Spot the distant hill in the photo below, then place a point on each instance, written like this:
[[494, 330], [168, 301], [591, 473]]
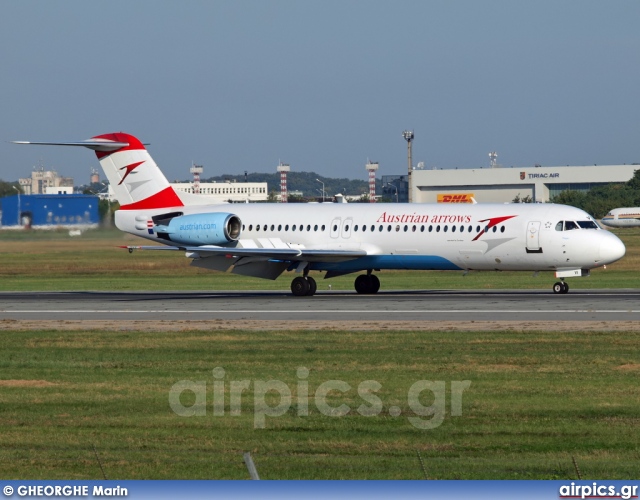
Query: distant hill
[[302, 181]]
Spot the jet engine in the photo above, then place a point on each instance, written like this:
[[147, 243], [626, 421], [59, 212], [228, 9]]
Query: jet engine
[[201, 229]]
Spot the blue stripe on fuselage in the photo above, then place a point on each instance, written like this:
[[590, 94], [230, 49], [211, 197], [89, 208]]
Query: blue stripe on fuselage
[[415, 262]]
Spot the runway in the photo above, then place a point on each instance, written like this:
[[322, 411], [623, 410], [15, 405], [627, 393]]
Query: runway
[[329, 307]]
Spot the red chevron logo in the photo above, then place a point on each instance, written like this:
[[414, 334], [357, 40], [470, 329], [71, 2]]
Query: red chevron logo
[[130, 168], [492, 222]]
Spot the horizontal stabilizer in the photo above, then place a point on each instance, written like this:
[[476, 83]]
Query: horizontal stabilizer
[[95, 144]]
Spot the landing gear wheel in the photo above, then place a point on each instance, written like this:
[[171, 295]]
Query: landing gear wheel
[[375, 283], [560, 287], [361, 284], [300, 287], [313, 286], [367, 283]]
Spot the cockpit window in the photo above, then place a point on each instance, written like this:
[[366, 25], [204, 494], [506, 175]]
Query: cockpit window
[[569, 225], [587, 224]]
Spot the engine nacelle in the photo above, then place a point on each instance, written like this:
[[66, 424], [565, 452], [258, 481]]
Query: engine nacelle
[[202, 229]]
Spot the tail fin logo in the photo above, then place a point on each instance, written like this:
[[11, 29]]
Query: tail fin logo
[[129, 168]]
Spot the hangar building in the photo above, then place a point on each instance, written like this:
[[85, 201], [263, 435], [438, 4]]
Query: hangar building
[[502, 185]]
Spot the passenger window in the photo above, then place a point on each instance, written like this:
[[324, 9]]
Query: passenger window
[[380, 228], [373, 228], [279, 227], [355, 228], [389, 228], [413, 229], [323, 227], [453, 229], [315, 228], [293, 228], [446, 228], [502, 229], [265, 227], [397, 228], [308, 227], [422, 229], [286, 228], [335, 227], [364, 228], [250, 227], [272, 227]]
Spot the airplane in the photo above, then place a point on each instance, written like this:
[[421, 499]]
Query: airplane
[[623, 217], [264, 240]]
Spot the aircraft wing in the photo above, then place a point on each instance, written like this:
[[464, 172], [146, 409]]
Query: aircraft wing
[[283, 254]]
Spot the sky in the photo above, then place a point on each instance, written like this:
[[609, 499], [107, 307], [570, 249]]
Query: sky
[[322, 85]]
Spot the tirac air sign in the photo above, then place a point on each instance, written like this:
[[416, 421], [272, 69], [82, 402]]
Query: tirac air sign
[[552, 175]]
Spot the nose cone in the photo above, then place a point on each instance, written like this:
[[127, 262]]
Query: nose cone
[[611, 248]]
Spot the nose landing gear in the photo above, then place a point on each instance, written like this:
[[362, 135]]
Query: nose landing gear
[[561, 287]]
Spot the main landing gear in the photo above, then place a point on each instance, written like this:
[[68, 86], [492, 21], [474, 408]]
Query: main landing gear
[[303, 286], [367, 283], [560, 287]]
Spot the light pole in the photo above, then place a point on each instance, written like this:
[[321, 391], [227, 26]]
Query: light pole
[[322, 189], [108, 221], [408, 136], [19, 206]]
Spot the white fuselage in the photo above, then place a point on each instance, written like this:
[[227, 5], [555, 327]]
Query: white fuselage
[[416, 236], [623, 217]]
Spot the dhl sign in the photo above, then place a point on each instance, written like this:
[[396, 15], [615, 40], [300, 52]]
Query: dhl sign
[[455, 198]]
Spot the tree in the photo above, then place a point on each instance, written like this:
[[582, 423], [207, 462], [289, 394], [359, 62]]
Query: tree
[[106, 211], [9, 188], [634, 182], [526, 199]]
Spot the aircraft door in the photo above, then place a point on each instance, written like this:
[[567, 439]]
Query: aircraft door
[[346, 227], [335, 227], [533, 237]]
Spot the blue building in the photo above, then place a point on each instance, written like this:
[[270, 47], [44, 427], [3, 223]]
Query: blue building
[[50, 210]]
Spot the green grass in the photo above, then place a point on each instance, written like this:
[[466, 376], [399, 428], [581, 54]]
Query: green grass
[[52, 260], [535, 401]]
